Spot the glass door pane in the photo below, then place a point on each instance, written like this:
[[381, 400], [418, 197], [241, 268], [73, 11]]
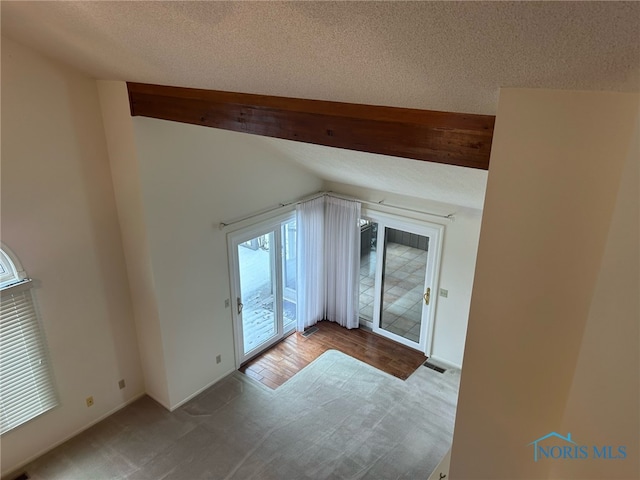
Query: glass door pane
[[256, 303], [289, 277], [403, 282], [368, 248]]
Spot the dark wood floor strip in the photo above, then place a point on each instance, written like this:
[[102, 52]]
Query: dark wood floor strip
[[285, 359]]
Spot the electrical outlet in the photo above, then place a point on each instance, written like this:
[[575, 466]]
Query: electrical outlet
[[226, 303], [121, 384], [444, 293], [218, 358], [89, 401]]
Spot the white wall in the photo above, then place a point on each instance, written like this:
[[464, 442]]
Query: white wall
[[456, 271], [605, 394], [556, 165], [118, 126], [456, 276], [192, 178], [59, 217]]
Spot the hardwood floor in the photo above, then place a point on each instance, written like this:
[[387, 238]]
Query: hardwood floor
[[285, 359]]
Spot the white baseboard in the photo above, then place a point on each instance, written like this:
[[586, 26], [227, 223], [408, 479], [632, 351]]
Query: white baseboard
[[442, 470], [444, 362], [158, 401], [198, 392], [14, 470]]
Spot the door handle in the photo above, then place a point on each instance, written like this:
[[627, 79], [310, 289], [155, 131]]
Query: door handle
[[240, 306], [427, 296]]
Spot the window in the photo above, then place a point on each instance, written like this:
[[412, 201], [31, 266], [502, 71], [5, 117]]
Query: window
[[26, 386]]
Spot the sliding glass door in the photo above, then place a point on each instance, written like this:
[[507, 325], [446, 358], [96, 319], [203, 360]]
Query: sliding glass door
[[398, 271], [289, 275], [368, 261], [263, 268], [256, 298], [403, 289]]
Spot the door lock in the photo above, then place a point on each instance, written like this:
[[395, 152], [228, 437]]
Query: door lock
[[427, 296]]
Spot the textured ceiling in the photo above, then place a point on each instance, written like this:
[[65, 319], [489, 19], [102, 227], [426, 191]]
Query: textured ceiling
[[451, 56]]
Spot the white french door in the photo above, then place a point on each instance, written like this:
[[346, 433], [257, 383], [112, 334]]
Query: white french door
[[398, 278], [262, 262]]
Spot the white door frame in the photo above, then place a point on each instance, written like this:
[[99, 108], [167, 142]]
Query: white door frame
[[234, 239], [435, 232]]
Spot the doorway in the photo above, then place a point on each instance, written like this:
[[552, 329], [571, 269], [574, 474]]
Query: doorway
[[398, 275], [262, 261]]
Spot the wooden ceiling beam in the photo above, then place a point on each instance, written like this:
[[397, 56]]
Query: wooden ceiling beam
[[451, 138]]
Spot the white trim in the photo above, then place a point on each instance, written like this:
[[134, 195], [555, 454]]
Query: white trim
[[71, 435], [25, 284], [235, 238], [435, 232], [30, 379], [442, 470], [158, 401], [15, 273], [198, 392], [249, 227], [14, 259], [444, 362]]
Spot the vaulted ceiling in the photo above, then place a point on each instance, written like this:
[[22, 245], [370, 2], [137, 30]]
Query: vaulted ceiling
[[451, 56]]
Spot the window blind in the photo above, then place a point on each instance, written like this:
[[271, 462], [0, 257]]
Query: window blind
[[25, 375]]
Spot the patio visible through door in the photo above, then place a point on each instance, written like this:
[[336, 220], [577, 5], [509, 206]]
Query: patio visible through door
[[263, 264]]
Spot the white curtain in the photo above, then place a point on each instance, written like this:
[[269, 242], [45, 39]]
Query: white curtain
[[328, 244], [310, 266], [342, 261]]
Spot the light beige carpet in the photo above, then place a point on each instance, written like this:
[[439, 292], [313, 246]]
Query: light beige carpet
[[338, 418]]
